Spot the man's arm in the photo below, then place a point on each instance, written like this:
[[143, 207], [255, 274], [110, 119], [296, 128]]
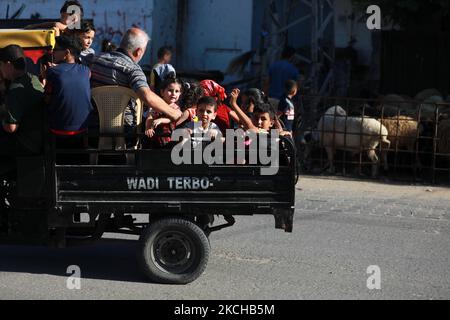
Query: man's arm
[[44, 25], [12, 111], [58, 27], [183, 118], [156, 103]]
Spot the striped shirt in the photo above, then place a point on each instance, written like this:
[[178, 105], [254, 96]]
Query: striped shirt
[[118, 69]]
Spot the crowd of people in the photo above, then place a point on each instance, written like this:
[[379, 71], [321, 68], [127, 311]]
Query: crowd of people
[[63, 89]]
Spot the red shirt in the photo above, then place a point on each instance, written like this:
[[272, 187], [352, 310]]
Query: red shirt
[[223, 118]]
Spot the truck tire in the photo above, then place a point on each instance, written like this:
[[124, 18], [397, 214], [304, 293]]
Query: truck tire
[[173, 251]]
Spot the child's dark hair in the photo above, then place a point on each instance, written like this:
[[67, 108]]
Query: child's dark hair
[[265, 108], [255, 96], [67, 4], [163, 51], [290, 86], [71, 43], [209, 101], [108, 46], [15, 55], [87, 26], [192, 92], [170, 80]]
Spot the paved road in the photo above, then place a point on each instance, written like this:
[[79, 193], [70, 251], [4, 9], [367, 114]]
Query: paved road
[[341, 228]]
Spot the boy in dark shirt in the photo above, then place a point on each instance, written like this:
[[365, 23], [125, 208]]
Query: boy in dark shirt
[[22, 117], [68, 91], [286, 108]]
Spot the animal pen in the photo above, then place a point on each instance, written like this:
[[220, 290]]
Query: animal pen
[[352, 137]]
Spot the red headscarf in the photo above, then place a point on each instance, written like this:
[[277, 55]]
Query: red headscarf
[[214, 90]]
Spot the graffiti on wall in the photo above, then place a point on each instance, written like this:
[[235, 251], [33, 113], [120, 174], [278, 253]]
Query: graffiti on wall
[[111, 17]]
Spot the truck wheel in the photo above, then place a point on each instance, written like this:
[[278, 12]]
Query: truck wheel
[[173, 251]]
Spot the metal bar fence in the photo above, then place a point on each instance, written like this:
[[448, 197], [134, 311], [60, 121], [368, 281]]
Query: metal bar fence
[[418, 132]]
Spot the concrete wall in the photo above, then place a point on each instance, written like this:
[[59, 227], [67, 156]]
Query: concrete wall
[[164, 26], [215, 32], [345, 29], [111, 17]]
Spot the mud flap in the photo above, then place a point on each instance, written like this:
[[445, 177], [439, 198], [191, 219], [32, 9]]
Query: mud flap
[[284, 220]]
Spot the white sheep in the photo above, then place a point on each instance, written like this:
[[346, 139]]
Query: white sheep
[[353, 134]]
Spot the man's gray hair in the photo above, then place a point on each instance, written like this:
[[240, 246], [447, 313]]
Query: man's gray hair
[[133, 40]]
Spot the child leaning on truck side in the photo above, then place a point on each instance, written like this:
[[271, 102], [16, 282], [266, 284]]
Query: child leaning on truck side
[[171, 90], [192, 93], [263, 119], [205, 130]]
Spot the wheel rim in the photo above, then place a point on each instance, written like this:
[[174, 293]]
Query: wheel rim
[[173, 252]]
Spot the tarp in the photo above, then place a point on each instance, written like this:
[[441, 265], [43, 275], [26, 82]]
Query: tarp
[[34, 42], [27, 38]]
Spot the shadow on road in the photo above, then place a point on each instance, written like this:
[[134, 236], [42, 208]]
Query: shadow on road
[[108, 260]]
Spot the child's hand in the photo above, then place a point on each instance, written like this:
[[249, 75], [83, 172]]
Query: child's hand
[[234, 96], [150, 133], [213, 133], [285, 134], [62, 26], [157, 123]]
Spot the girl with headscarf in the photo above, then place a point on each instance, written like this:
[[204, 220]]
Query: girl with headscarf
[[224, 113]]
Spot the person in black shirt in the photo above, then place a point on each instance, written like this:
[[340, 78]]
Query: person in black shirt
[[21, 123]]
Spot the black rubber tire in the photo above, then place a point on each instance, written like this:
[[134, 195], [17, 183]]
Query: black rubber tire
[[182, 238]]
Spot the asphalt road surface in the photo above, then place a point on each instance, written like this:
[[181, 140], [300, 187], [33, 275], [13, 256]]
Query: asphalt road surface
[[341, 229]]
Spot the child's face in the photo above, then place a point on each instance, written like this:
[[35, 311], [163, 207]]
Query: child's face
[[206, 113], [263, 121], [87, 39], [294, 91], [167, 58], [172, 93]]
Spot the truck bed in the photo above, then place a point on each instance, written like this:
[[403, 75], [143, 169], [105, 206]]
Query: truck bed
[[155, 183]]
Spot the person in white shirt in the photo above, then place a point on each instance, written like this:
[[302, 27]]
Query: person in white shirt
[[204, 130]]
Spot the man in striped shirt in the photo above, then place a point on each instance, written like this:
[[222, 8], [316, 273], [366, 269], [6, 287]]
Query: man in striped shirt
[[121, 68]]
